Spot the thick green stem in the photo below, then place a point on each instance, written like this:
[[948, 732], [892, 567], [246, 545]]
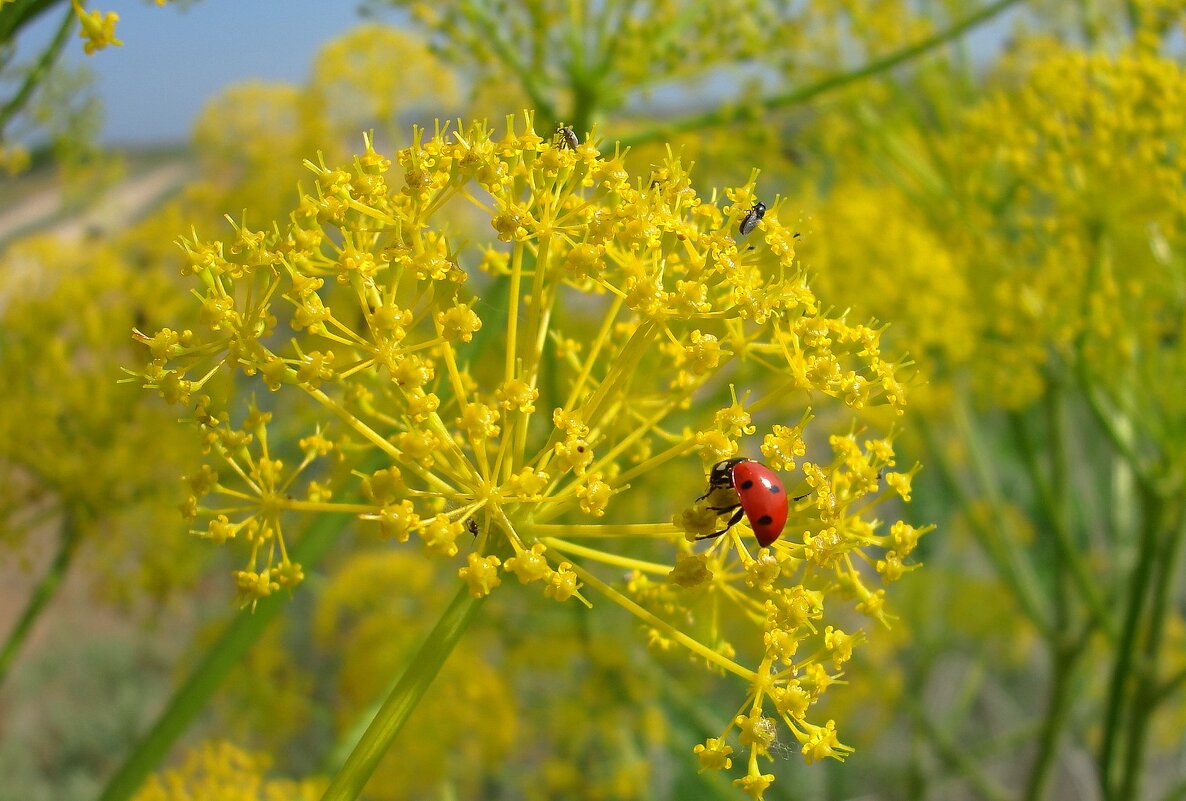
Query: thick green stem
[[1063, 664], [223, 655], [1120, 693], [349, 782], [42, 594], [1053, 507], [1140, 716], [731, 114]]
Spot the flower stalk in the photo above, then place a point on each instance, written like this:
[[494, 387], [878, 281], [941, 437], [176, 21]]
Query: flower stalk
[[348, 783]]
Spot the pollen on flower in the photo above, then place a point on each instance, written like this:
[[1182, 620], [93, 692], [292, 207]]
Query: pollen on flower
[[396, 521], [900, 482], [695, 521], [714, 754], [781, 645], [905, 536], [755, 784], [690, 571], [481, 574], [594, 495], [562, 583], [440, 535], [756, 731], [253, 586], [763, 570], [518, 395], [820, 742], [573, 454], [783, 445], [792, 700], [528, 483], [529, 565], [839, 644]]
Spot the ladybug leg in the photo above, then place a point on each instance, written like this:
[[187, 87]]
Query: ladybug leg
[[711, 489], [734, 520]]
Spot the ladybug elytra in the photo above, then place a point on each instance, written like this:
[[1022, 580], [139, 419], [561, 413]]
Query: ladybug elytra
[[761, 497]]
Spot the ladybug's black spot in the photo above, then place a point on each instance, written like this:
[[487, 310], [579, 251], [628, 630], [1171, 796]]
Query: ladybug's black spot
[[747, 485], [773, 490], [765, 520]]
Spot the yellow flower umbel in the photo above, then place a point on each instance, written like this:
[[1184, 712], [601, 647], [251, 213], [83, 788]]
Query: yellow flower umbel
[[580, 387], [219, 771]]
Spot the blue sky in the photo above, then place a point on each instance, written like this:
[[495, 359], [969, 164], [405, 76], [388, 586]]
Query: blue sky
[[174, 59]]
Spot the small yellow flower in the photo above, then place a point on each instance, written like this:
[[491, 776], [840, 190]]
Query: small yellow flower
[[713, 754], [98, 29], [481, 574], [529, 565]]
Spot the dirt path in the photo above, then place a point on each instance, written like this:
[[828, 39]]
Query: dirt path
[[114, 209]]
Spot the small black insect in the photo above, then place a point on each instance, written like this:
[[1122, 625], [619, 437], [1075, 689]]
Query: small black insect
[[565, 137], [471, 526], [750, 221]]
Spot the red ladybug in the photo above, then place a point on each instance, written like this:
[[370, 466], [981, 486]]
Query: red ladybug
[[761, 497]]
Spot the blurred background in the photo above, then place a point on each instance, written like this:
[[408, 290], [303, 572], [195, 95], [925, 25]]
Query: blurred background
[[999, 182]]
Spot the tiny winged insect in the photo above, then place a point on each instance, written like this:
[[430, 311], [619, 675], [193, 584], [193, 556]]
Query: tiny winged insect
[[565, 137], [750, 221], [760, 497]]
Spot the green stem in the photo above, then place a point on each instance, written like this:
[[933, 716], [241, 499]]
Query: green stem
[[221, 657], [1119, 692], [1003, 558], [18, 14], [727, 115], [1145, 692], [1058, 519], [1059, 510], [954, 756], [42, 594], [1063, 663], [37, 74], [349, 782], [477, 15], [1120, 436]]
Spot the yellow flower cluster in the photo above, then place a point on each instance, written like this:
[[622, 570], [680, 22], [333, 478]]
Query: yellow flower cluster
[[220, 771], [1001, 249], [871, 251], [1077, 264], [73, 441], [488, 403]]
